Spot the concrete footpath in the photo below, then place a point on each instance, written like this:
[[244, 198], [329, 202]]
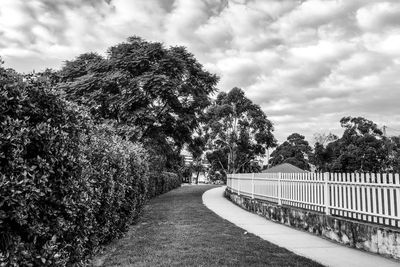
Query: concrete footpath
[[302, 243]]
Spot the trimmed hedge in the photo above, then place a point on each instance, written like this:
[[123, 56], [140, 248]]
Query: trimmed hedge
[[161, 182], [40, 185], [66, 185], [117, 171]]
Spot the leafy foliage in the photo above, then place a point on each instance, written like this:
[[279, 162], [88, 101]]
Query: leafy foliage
[[161, 182], [196, 148], [219, 163], [324, 139], [237, 131], [67, 184], [295, 151], [71, 176], [186, 173], [362, 148], [40, 186], [158, 92], [117, 173], [393, 146]]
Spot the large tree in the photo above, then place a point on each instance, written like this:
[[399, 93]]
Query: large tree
[[151, 93], [295, 150], [237, 132]]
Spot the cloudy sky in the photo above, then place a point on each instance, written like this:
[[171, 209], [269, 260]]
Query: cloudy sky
[[306, 63]]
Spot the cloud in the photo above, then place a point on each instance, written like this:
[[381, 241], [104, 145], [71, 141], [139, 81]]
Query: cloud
[[379, 16], [306, 63]]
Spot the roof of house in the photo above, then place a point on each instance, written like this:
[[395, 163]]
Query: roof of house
[[285, 168]]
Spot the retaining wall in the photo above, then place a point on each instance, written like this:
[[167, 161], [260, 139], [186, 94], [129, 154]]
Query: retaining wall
[[369, 237]]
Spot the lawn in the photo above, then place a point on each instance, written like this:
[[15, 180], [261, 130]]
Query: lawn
[[176, 229]]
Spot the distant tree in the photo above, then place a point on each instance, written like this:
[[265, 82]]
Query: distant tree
[[295, 151], [196, 148], [394, 154], [321, 156], [362, 148], [151, 93], [237, 131], [219, 163], [324, 139], [186, 173]]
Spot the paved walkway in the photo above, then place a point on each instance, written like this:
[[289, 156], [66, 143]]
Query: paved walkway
[[301, 243]]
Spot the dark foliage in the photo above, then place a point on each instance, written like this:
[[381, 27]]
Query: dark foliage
[[362, 148], [66, 185], [237, 131], [153, 94], [161, 182], [295, 151], [73, 175]]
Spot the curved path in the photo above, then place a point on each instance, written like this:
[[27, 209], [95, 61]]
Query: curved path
[[299, 242]]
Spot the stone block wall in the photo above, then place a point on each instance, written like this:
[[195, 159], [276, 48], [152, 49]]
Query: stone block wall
[[369, 237]]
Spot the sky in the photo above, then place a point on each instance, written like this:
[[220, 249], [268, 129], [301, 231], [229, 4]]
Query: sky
[[306, 63]]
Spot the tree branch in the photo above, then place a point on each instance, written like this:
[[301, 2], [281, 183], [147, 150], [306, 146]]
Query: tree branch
[[222, 166], [148, 126]]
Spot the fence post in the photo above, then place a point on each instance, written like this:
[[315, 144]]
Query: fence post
[[279, 189], [252, 185], [238, 183], [326, 193]]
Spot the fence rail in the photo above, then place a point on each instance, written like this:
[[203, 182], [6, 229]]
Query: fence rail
[[366, 197]]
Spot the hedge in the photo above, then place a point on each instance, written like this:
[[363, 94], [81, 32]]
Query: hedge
[[161, 182], [39, 192], [117, 171], [66, 185]]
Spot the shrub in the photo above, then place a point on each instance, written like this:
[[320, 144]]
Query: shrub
[[171, 181], [66, 185], [161, 182], [40, 185], [118, 172]]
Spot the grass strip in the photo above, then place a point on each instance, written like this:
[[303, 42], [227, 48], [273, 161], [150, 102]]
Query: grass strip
[[176, 229]]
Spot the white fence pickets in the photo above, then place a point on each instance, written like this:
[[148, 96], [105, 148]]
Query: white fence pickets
[[367, 197]]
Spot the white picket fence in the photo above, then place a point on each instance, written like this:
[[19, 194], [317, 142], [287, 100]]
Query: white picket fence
[[373, 198]]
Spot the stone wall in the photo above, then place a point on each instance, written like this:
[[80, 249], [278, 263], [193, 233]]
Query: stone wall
[[373, 238]]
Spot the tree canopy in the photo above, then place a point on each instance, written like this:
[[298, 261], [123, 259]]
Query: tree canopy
[[237, 132], [362, 148], [151, 93], [295, 151]]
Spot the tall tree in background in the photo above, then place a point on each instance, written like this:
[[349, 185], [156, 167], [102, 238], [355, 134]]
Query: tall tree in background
[[322, 156], [362, 148], [150, 93], [324, 139], [237, 132], [196, 148], [295, 151], [394, 154]]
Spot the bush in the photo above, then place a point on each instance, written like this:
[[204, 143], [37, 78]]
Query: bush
[[40, 185], [118, 172], [161, 182], [66, 185]]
